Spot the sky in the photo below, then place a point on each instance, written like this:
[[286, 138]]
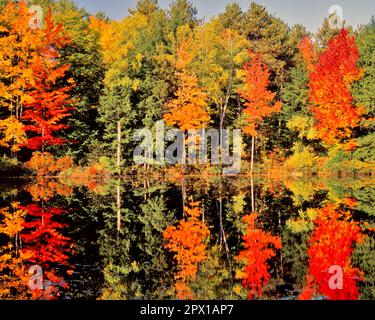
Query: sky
[[310, 13]]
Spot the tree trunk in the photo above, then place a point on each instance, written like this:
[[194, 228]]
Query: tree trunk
[[184, 194], [118, 198], [252, 195], [119, 145], [252, 154], [223, 113], [222, 236]]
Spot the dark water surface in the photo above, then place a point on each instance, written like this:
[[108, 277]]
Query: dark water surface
[[238, 239]]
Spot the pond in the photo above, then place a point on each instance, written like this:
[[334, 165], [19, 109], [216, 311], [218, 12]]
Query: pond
[[184, 238]]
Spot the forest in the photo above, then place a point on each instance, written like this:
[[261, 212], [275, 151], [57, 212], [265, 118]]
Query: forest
[[76, 87], [80, 86]]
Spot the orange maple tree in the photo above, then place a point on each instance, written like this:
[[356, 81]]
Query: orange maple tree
[[187, 241], [13, 133], [331, 75], [259, 247], [332, 244], [188, 109], [45, 164], [258, 99]]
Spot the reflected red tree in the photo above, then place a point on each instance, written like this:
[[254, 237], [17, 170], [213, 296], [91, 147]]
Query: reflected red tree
[[46, 247], [259, 247], [331, 245]]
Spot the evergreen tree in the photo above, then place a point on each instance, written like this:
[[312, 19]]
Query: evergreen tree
[[364, 92], [182, 12]]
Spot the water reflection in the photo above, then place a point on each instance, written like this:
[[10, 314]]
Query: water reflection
[[180, 238]]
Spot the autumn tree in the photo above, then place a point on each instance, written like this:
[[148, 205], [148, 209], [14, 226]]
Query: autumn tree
[[18, 47], [187, 242], [51, 104], [259, 247], [46, 247], [14, 134], [120, 48], [258, 98], [188, 110], [218, 59], [332, 74], [331, 244]]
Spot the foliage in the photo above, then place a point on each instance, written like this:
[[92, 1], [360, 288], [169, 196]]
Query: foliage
[[259, 247], [45, 164], [302, 160], [187, 110], [187, 242], [330, 80], [257, 97], [43, 115], [331, 244]]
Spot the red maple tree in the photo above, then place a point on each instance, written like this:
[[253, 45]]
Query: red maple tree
[[332, 73], [51, 102]]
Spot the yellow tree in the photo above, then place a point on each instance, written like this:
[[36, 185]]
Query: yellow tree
[[219, 57], [119, 43], [13, 282], [13, 134], [18, 47]]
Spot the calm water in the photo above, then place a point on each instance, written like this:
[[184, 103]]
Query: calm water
[[131, 239]]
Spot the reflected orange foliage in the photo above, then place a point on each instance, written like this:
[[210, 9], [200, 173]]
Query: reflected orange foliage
[[45, 189], [13, 272], [93, 177], [187, 241]]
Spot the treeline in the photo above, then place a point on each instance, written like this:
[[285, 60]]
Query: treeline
[[80, 85]]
